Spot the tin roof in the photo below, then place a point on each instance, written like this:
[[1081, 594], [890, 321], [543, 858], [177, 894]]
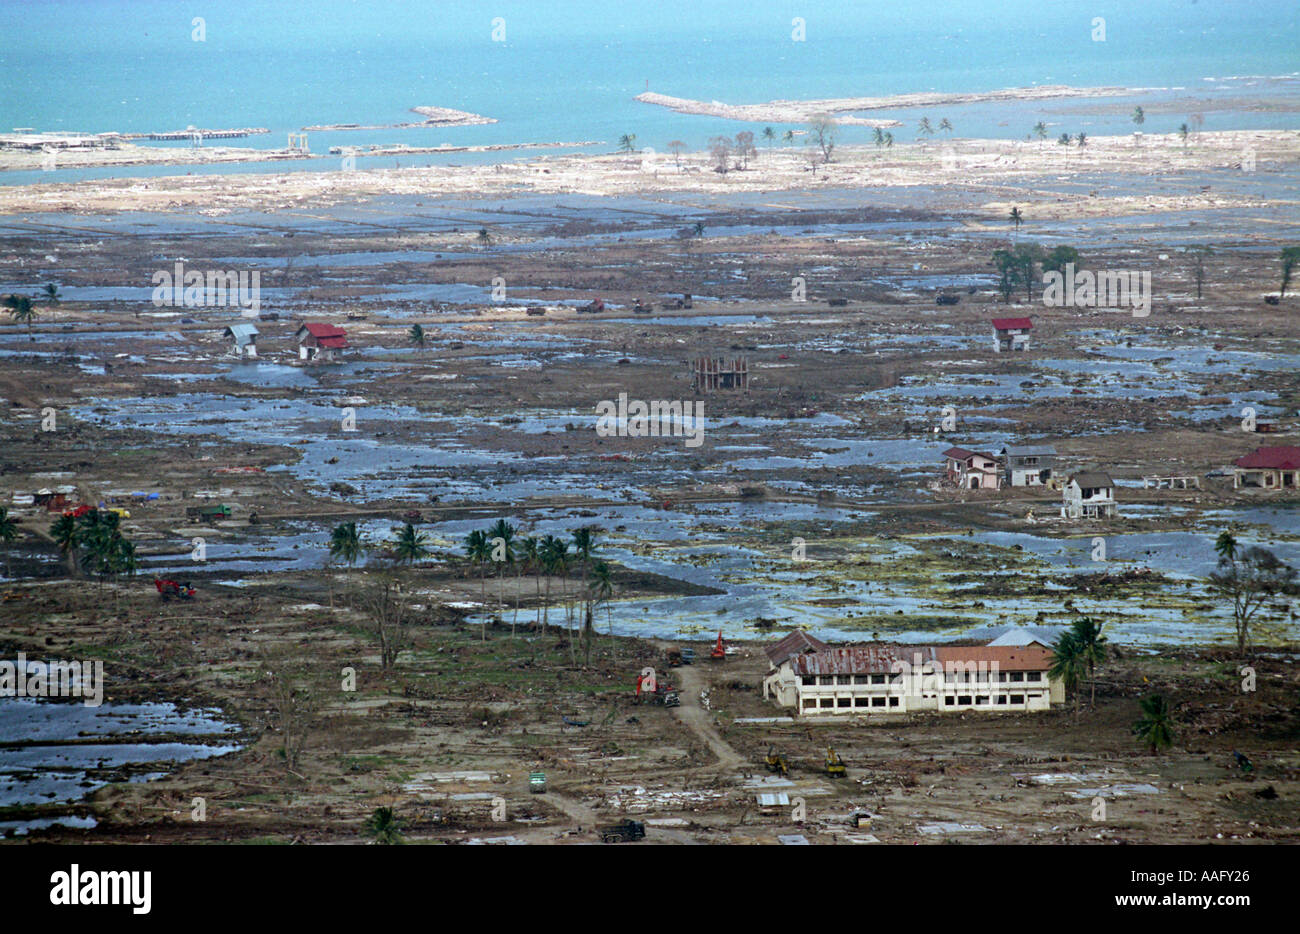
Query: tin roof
[[242, 333], [1029, 450], [796, 643], [1008, 324], [887, 659], [1272, 458]]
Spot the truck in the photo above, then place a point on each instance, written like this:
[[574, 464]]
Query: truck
[[537, 783], [207, 513], [625, 831]]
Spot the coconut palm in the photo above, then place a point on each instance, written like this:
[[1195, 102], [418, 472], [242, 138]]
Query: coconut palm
[[502, 538], [484, 237], [64, 532], [924, 129], [584, 545], [1068, 664], [345, 545], [878, 137], [889, 140], [1040, 130], [1016, 219], [51, 293], [8, 534], [1156, 728], [1092, 647], [1290, 257], [627, 142], [1183, 131], [411, 545], [551, 553], [478, 549], [788, 138], [602, 588], [1081, 140], [945, 126], [530, 554], [21, 310], [1139, 116], [384, 827], [417, 336], [698, 229], [769, 134], [1063, 139]]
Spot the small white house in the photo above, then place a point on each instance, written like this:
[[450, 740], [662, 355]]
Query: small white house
[[972, 470], [243, 339], [1011, 333], [1089, 495]]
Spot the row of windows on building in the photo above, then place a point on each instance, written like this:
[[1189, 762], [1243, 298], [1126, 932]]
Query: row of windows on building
[[951, 677], [951, 700]]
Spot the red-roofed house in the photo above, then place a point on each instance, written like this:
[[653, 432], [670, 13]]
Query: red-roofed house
[[1272, 468], [972, 470], [892, 679], [320, 341], [1011, 333]]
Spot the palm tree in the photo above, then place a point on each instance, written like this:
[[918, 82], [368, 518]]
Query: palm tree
[[479, 550], [1156, 728], [788, 137], [627, 142], [602, 588], [1082, 140], [1139, 116], [384, 827], [51, 293], [924, 129], [889, 140], [417, 336], [551, 553], [64, 532], [345, 545], [1068, 664], [529, 555], [878, 137], [769, 134], [502, 536], [411, 545], [584, 545], [1290, 256], [945, 127], [1183, 132], [1092, 648], [21, 310], [1040, 130], [1017, 219], [1063, 139], [8, 534], [484, 238]]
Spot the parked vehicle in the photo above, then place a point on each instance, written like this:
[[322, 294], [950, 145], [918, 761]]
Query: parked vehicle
[[624, 831]]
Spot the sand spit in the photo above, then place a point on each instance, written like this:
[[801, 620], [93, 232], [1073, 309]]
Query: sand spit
[[434, 117], [804, 111], [967, 163]]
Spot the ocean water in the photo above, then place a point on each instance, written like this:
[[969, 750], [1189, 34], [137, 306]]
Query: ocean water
[[567, 70]]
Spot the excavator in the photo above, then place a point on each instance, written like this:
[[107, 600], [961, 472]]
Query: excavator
[[777, 762], [719, 651], [834, 764]]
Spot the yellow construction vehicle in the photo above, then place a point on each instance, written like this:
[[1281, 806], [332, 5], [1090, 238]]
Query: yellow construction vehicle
[[776, 762], [834, 764]]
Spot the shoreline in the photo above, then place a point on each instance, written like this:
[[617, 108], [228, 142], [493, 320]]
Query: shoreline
[[992, 163]]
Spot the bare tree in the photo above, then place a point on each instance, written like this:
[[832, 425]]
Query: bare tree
[[720, 153], [1197, 254], [745, 148], [677, 147], [295, 698], [821, 133], [1250, 577], [386, 619]]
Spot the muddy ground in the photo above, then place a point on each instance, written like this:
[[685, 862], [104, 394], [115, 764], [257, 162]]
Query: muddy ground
[[835, 442]]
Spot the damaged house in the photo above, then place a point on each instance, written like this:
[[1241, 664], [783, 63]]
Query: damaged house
[[893, 679], [1011, 333], [1028, 464], [972, 470], [1268, 468], [322, 342], [1089, 494], [243, 338]]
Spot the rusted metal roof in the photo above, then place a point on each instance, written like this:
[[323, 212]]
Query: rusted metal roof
[[887, 659], [1272, 458], [796, 643], [1011, 324]]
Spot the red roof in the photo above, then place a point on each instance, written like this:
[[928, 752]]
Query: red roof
[[961, 454], [1278, 458], [1009, 324], [881, 659], [327, 335], [794, 644]]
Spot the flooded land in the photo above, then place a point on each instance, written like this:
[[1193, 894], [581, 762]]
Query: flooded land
[[302, 687]]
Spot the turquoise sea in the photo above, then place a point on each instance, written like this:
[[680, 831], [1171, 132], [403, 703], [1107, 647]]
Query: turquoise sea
[[567, 70]]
